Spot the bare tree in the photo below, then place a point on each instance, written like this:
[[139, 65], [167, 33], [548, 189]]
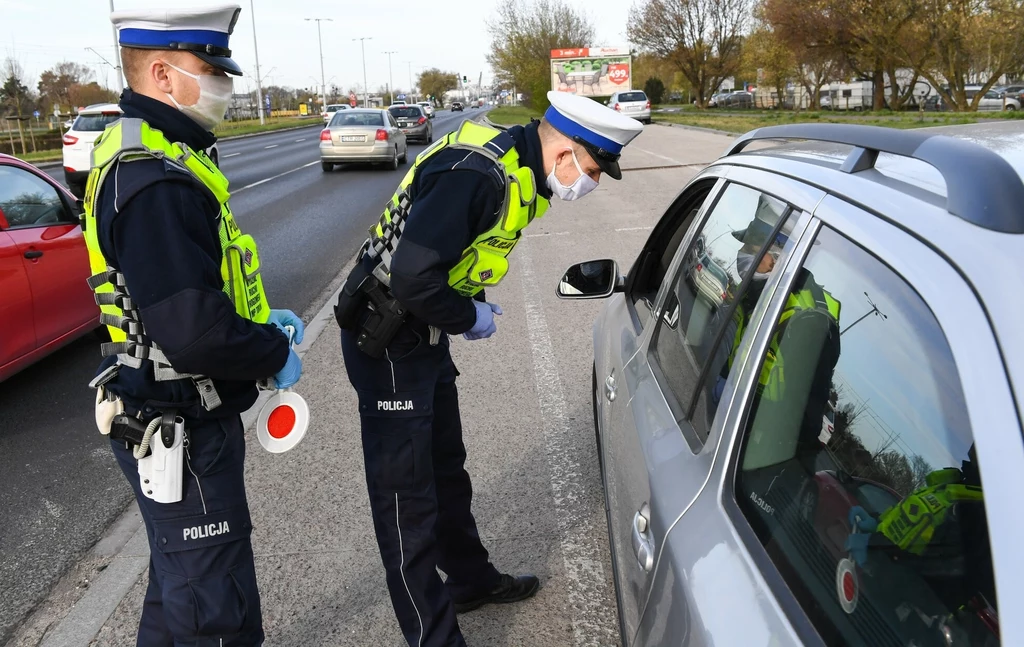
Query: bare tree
[[701, 38], [522, 37]]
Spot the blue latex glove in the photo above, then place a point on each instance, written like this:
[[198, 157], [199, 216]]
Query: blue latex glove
[[291, 372], [862, 526], [484, 326], [282, 318]]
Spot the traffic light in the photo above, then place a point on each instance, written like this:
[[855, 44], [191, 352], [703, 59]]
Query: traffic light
[[464, 79]]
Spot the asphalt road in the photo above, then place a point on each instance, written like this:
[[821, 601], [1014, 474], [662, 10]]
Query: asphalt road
[[61, 488]]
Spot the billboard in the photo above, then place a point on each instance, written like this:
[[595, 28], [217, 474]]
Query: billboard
[[592, 71]]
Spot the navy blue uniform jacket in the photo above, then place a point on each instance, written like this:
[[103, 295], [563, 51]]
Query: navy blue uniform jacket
[[159, 226], [455, 199]]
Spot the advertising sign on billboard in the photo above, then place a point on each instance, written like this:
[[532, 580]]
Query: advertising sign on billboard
[[594, 71]]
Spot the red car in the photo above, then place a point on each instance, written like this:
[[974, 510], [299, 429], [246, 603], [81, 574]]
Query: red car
[[45, 301]]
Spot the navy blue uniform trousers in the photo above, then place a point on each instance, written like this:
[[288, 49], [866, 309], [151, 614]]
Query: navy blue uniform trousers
[[420, 492], [202, 580]]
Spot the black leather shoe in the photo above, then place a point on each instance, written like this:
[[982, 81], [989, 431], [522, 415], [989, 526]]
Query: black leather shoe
[[509, 589]]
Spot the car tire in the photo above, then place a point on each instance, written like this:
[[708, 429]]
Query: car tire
[[393, 166], [405, 156], [1009, 108], [430, 138], [327, 167]]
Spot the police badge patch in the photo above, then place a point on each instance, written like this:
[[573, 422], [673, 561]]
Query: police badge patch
[[486, 274]]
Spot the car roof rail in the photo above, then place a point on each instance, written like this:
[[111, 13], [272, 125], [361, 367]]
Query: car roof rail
[[981, 186]]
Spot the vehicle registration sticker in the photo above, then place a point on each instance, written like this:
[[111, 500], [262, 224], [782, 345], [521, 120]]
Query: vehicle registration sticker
[[353, 138]]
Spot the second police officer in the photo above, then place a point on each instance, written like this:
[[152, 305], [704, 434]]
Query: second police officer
[[444, 238], [180, 291]]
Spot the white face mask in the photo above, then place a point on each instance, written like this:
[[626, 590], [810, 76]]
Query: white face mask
[[214, 97], [583, 185]]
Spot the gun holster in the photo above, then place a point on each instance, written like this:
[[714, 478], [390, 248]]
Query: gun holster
[[385, 318], [352, 299]]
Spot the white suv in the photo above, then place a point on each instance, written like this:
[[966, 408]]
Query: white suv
[[78, 141], [632, 104], [83, 133]]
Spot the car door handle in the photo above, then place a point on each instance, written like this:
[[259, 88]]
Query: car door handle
[[609, 388], [33, 254], [643, 544]]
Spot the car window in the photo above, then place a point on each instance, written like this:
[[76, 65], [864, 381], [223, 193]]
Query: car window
[[28, 200], [94, 123], [351, 118], [880, 533], [632, 96], [651, 267], [406, 111], [731, 244]]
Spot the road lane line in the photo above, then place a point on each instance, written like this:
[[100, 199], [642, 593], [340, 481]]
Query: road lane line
[[633, 228], [271, 146], [300, 140], [581, 554], [229, 155], [274, 177], [667, 159]]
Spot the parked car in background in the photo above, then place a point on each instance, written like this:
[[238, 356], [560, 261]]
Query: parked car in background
[[730, 521], [992, 100], [43, 268], [362, 135], [329, 111], [399, 102], [633, 104], [427, 108], [457, 106], [414, 122], [740, 99], [80, 138]]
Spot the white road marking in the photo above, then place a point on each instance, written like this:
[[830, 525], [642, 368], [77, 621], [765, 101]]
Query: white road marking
[[580, 552], [229, 155], [633, 228], [667, 159], [274, 177], [554, 233], [300, 140], [271, 146]]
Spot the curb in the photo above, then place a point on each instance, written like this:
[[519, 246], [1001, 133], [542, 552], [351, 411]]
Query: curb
[[697, 128], [56, 164]]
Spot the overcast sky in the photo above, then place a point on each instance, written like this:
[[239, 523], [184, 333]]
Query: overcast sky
[[450, 34]]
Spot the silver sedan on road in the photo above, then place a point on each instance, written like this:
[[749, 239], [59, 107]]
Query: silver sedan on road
[[362, 135]]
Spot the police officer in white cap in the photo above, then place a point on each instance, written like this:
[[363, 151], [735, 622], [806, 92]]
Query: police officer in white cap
[[180, 290], [444, 238]]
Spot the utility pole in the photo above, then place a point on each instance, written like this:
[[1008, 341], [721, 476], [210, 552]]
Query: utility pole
[[323, 82], [366, 88], [410, 75], [117, 52], [873, 311], [259, 81], [391, 79]]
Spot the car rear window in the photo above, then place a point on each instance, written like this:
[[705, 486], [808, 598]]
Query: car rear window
[[632, 96], [406, 111], [94, 123], [351, 118]]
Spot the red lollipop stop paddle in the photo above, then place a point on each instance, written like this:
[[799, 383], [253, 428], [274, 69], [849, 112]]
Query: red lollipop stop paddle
[[283, 419]]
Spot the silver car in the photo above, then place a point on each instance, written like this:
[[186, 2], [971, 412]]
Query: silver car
[[871, 270], [362, 135], [633, 104]]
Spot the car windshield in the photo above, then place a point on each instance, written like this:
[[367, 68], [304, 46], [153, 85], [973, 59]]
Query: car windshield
[[95, 122], [632, 96], [352, 118], [405, 111], [872, 498]]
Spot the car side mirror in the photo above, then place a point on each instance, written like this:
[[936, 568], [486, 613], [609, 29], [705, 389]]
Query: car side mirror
[[590, 280]]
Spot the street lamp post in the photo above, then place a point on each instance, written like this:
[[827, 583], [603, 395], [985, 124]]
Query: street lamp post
[[366, 88], [117, 52], [323, 83], [259, 81], [391, 79]]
